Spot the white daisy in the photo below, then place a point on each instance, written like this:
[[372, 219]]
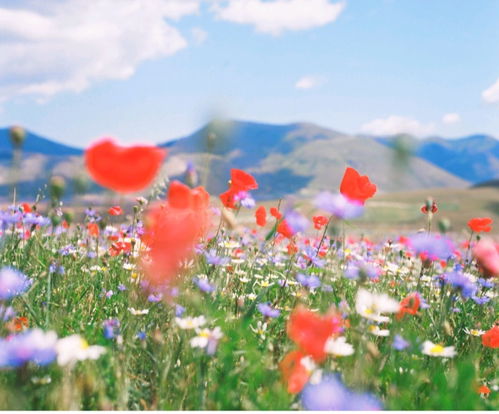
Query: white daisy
[[372, 305], [74, 348], [190, 322], [429, 348], [338, 347]]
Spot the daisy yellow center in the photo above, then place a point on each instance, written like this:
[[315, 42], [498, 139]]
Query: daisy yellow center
[[204, 334], [474, 332], [369, 311], [84, 344], [437, 349]]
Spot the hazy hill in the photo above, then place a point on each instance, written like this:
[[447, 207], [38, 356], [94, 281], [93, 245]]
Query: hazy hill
[[298, 158], [474, 158]]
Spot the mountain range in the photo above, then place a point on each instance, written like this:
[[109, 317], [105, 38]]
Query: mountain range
[[294, 159]]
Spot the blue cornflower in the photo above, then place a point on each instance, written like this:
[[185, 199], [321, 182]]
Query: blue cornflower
[[461, 283], [213, 259], [330, 394], [33, 345], [12, 283], [435, 247], [204, 285], [111, 328], [339, 206], [399, 343], [310, 282], [296, 221], [266, 310], [179, 310]]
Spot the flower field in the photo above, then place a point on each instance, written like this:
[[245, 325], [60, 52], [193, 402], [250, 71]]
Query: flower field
[[171, 304]]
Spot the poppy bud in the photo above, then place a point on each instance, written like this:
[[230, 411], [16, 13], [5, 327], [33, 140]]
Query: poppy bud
[[81, 184], [57, 186], [17, 136], [444, 225], [56, 220]]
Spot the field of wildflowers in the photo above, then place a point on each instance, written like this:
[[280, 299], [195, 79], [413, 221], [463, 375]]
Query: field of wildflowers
[[171, 304]]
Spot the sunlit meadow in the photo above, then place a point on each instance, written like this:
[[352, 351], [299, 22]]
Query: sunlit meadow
[[172, 304]]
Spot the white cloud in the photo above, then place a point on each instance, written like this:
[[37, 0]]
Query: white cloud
[[199, 35], [277, 16], [54, 46], [491, 94], [308, 82], [394, 124], [451, 118]]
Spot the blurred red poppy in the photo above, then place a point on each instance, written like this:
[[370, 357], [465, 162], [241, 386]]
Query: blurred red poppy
[[490, 339], [275, 213], [115, 211], [284, 229], [172, 229], [319, 221], [120, 247], [93, 229], [26, 207], [486, 253], [261, 216], [123, 169], [310, 331], [294, 373], [356, 187], [479, 225], [410, 304]]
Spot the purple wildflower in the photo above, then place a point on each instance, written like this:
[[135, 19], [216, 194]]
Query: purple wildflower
[[339, 206], [12, 283], [399, 343], [6, 313], [331, 394], [179, 310], [266, 310], [310, 282], [30, 346], [461, 283], [213, 259], [296, 221], [111, 328], [204, 285], [435, 247]]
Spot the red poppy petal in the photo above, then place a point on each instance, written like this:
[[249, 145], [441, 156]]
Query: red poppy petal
[[123, 169]]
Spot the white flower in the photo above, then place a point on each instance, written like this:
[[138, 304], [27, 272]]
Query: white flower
[[429, 348], [190, 322], [261, 328], [372, 305], [136, 312], [207, 339], [74, 348], [375, 330], [338, 347], [251, 296], [474, 332]]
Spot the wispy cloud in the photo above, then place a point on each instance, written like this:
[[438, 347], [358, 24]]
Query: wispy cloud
[[395, 124], [54, 46], [199, 35], [451, 118], [309, 82], [278, 16], [491, 94]]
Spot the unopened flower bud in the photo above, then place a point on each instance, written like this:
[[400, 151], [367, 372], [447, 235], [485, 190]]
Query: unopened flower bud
[[17, 136]]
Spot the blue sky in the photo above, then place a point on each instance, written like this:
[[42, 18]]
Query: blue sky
[[153, 70]]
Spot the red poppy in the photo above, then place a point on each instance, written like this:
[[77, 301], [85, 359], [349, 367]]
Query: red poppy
[[294, 372], [115, 211], [120, 247], [409, 304], [240, 181], [292, 249], [172, 230], [486, 253], [26, 207], [479, 225], [356, 187], [310, 331], [93, 229], [319, 221], [433, 208], [274, 212], [483, 389], [284, 229], [123, 169], [261, 216], [490, 339], [18, 324]]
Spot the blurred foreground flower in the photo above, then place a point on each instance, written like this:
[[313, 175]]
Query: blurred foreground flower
[[479, 225], [356, 187], [486, 253], [431, 349], [123, 169], [33, 345], [330, 394], [373, 305], [172, 230], [12, 283], [339, 205], [74, 348]]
